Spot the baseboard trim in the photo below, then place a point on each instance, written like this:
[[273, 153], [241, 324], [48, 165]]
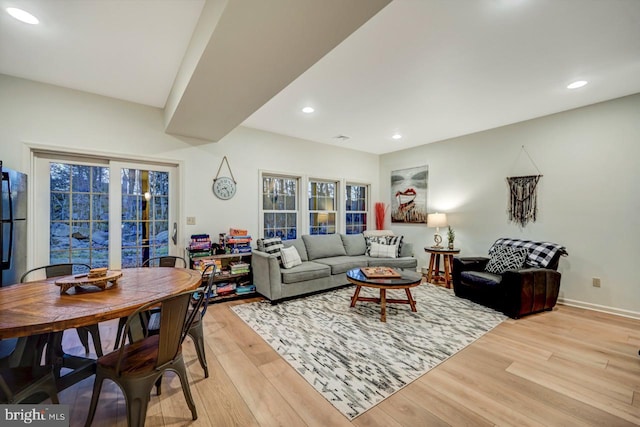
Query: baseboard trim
[[601, 308]]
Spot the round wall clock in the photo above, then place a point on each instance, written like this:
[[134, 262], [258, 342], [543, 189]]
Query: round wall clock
[[224, 187]]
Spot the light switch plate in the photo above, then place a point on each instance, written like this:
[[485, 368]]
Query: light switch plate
[[191, 220]]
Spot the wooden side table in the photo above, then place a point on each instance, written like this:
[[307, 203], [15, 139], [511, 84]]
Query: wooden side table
[[433, 273]]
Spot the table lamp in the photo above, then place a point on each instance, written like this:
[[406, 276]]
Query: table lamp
[[437, 220]]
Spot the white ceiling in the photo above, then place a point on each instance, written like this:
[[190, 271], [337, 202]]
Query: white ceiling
[[428, 69]]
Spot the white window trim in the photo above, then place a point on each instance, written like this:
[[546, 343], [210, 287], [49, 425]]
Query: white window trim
[[368, 205], [33, 151], [302, 220], [261, 211], [339, 205]]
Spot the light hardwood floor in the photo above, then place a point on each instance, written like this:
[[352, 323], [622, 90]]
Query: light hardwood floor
[[567, 367]]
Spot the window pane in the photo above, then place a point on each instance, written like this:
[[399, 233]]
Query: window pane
[[59, 177], [100, 180], [100, 207], [130, 257], [80, 233], [60, 236], [59, 206], [80, 178], [80, 207], [267, 202], [161, 208], [99, 258], [130, 233], [161, 232], [100, 235]]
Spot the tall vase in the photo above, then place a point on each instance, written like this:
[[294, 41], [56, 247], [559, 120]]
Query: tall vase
[[379, 209]]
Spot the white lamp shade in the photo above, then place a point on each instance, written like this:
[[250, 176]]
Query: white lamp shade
[[437, 220]]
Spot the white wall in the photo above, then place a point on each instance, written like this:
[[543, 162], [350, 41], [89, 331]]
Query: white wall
[[45, 115], [588, 196]]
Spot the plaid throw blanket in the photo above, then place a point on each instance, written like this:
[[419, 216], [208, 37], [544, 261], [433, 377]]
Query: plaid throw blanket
[[540, 254]]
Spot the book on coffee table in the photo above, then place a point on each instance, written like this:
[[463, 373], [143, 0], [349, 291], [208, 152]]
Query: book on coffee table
[[380, 272]]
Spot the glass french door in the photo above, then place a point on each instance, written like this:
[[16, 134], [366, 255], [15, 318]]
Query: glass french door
[[104, 213]]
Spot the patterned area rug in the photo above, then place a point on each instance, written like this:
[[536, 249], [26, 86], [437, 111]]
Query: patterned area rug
[[354, 360]]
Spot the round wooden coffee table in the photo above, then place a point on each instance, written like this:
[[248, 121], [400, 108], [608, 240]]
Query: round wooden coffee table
[[408, 279]]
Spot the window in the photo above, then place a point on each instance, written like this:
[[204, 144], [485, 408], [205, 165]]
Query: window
[[79, 214], [145, 215], [322, 207], [356, 207], [103, 212], [280, 206]]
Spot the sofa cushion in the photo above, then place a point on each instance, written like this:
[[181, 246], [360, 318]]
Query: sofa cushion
[[405, 262], [300, 247], [342, 264], [481, 278], [290, 257], [323, 246], [308, 270], [380, 250], [354, 244], [505, 258], [406, 250]]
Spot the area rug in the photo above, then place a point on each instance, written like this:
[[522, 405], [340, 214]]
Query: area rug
[[354, 360]]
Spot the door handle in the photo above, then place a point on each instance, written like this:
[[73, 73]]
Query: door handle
[[174, 233]]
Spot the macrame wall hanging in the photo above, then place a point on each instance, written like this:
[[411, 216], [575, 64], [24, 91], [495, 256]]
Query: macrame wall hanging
[[523, 196]]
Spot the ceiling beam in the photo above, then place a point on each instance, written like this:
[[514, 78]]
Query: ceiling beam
[[244, 52]]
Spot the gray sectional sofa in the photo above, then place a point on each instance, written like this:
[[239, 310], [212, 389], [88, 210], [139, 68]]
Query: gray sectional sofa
[[325, 261]]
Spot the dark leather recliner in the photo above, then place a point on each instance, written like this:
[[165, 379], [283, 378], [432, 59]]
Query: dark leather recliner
[[516, 293]]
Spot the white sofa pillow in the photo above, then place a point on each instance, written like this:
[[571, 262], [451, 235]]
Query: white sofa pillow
[[379, 250], [290, 257]]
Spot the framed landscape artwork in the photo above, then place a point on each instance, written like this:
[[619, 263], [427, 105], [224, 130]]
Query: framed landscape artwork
[[409, 195]]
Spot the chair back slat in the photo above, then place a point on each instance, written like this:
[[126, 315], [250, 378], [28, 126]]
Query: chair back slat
[[173, 317]]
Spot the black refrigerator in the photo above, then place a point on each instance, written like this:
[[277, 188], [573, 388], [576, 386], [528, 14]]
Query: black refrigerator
[[13, 232]]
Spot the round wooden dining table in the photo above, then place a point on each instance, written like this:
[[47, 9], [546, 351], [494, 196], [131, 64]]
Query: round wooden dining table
[[38, 308]]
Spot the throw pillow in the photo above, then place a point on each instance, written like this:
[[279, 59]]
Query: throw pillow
[[384, 240], [506, 258], [290, 257], [395, 240], [374, 239], [272, 246], [379, 250]]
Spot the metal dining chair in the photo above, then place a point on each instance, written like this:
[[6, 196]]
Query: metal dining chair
[[27, 384], [159, 261], [166, 261], [196, 331], [138, 366], [66, 269]]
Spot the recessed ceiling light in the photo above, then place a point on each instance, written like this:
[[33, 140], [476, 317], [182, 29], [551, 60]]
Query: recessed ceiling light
[[308, 110], [23, 16], [396, 136], [577, 84]]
